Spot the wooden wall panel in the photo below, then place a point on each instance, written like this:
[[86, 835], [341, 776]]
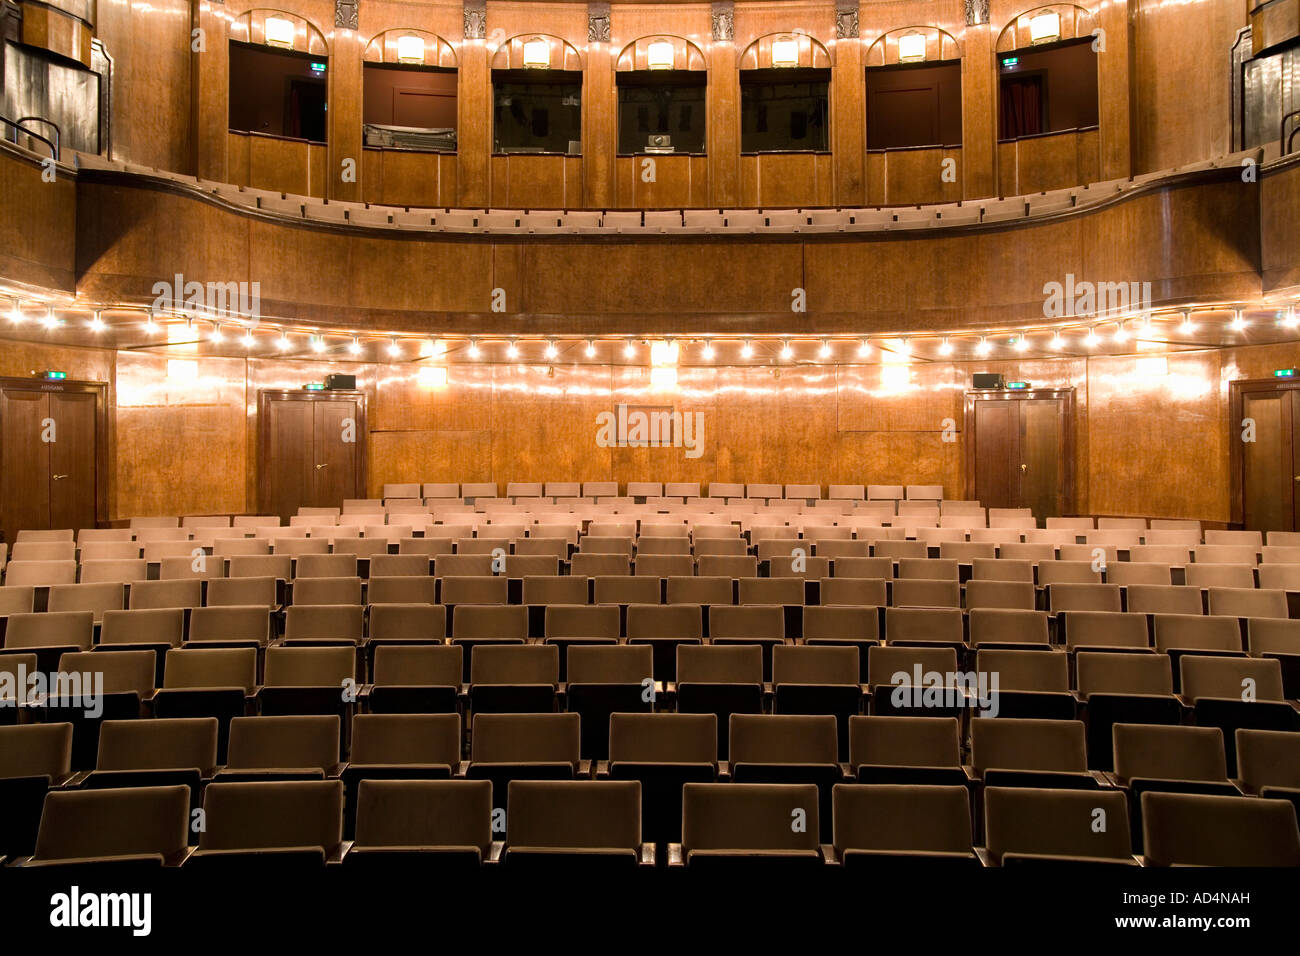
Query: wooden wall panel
[[1053, 161], [786, 179], [38, 227], [180, 443], [679, 182], [1279, 198], [905, 177], [536, 182], [1153, 445]]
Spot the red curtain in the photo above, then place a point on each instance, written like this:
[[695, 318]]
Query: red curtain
[[1022, 107]]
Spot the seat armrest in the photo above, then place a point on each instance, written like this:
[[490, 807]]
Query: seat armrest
[[602, 769], [829, 856], [675, 855], [985, 858], [647, 854], [496, 851]]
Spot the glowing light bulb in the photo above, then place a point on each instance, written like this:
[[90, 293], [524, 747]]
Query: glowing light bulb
[[551, 350], [707, 352], [786, 351], [825, 350], [747, 351], [945, 347]]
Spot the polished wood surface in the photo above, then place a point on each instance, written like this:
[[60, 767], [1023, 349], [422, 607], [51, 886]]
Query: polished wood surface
[[1146, 444], [1163, 94], [311, 449]]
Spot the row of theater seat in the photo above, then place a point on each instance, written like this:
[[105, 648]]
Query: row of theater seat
[[285, 797], [810, 220], [1225, 689]]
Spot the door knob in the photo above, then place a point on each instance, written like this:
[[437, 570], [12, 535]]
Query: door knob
[[319, 467], [1025, 468], [61, 477], [1297, 477]]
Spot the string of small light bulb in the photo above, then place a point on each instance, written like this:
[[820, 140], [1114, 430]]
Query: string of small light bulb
[[983, 343]]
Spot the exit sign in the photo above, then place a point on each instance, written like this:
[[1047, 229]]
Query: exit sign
[[315, 386], [1018, 385], [1284, 373], [55, 376]]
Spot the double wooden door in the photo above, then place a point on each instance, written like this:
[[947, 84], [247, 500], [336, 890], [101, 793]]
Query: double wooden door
[[312, 451], [1264, 435], [50, 448], [1020, 450]]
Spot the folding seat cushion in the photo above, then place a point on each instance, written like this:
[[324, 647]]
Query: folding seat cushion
[[616, 589], [588, 822], [33, 757], [1162, 599], [18, 600], [50, 634], [1123, 688], [788, 748], [706, 590], [664, 565], [728, 566], [141, 826], [1226, 554], [924, 625], [505, 747], [1268, 763], [749, 824], [444, 824], [1031, 825], [63, 550], [1236, 576], [1029, 752], [1000, 594], [166, 594], [931, 569], [1281, 577], [242, 592], [282, 747], [1234, 692], [1002, 569], [233, 624], [967, 551], [399, 746], [391, 565], [588, 564], [1138, 572], [603, 680], [720, 680], [926, 594], [96, 598], [323, 623], [327, 590], [991, 627], [275, 566], [158, 752], [416, 678], [1082, 597], [40, 573], [1203, 830], [292, 824], [1247, 602], [514, 679], [892, 673], [906, 750], [401, 589], [1031, 683], [859, 550], [408, 623], [874, 824], [665, 628]]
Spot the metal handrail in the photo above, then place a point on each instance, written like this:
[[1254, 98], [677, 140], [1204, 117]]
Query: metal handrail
[[1283, 140], [14, 125]]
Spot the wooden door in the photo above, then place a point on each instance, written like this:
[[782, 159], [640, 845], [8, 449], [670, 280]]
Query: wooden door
[[997, 478], [1264, 436], [25, 463], [335, 448], [72, 460], [311, 449], [52, 455], [1041, 452], [1020, 450]]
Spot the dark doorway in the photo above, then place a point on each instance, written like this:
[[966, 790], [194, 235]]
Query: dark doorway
[[1020, 450], [312, 449]]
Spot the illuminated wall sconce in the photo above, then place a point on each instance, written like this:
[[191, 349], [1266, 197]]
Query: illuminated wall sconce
[[410, 49], [1045, 27], [664, 353], [433, 376], [537, 54], [659, 55], [911, 47], [785, 52], [279, 32]]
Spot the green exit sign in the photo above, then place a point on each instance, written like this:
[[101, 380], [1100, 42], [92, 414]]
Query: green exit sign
[[55, 376], [1018, 385], [315, 386], [1284, 373], [1011, 61]]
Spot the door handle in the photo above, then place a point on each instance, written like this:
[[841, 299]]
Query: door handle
[[1025, 468], [61, 477], [326, 465]]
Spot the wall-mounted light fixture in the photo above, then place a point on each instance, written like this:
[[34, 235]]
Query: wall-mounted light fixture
[[410, 49], [279, 32], [537, 54]]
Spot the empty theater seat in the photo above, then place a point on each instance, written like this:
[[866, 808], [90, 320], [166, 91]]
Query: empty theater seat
[[775, 825]]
